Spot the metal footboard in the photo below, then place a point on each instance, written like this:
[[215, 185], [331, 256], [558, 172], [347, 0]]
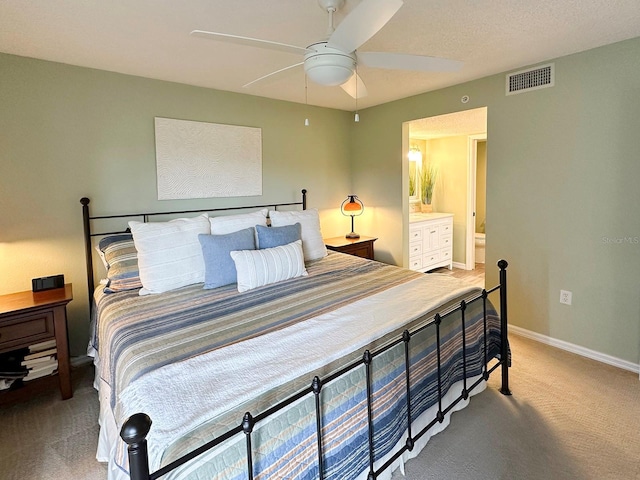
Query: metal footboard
[[137, 427]]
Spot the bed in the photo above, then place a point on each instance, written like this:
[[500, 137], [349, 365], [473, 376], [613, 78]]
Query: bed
[[343, 371]]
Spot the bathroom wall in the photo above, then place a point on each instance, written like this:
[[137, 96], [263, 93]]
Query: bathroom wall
[[449, 156], [481, 186]]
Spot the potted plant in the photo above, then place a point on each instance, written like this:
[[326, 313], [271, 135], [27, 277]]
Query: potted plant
[[412, 183], [428, 175]]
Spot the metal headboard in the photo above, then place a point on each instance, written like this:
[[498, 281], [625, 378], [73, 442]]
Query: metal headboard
[[87, 219]]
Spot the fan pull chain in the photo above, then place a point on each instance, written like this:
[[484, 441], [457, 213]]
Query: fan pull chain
[[356, 118], [306, 102]]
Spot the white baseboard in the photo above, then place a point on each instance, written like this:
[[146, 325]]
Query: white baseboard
[[459, 265], [570, 347]]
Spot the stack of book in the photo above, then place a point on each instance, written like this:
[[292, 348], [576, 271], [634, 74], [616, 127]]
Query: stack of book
[[10, 368], [41, 360]]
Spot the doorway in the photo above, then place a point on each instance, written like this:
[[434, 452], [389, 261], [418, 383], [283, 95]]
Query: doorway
[[476, 202], [451, 143]]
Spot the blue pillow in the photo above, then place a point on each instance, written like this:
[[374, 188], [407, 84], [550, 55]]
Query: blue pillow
[[219, 268], [270, 237]]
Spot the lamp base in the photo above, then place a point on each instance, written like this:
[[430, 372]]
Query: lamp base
[[352, 235]]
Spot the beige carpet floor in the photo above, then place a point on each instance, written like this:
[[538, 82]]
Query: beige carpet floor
[[568, 418]]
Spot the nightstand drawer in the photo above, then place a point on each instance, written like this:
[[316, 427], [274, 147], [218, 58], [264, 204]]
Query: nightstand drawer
[[22, 330], [361, 250], [360, 247]]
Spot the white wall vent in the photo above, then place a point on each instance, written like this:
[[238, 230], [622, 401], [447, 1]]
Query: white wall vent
[[535, 78]]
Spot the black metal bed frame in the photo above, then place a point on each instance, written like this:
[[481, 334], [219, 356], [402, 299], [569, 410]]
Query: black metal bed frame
[[136, 428]]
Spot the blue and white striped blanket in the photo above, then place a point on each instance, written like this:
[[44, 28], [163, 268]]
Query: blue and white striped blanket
[[196, 360]]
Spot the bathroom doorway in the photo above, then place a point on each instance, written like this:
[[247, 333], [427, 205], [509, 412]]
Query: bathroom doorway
[[451, 143], [476, 202]]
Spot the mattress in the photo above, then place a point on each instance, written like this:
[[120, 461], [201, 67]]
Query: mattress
[[195, 361]]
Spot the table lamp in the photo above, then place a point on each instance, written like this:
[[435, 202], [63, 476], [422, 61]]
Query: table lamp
[[352, 206]]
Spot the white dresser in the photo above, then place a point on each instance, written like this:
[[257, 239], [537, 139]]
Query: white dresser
[[430, 241]]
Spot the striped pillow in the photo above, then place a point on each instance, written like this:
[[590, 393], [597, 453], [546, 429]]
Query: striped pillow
[[121, 258], [256, 268]]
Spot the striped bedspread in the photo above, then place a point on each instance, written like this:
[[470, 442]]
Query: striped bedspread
[[156, 353], [143, 333]]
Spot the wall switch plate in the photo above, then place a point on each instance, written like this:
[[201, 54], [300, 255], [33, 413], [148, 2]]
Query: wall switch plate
[[565, 297]]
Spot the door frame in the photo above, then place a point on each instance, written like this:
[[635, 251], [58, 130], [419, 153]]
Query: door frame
[[472, 164]]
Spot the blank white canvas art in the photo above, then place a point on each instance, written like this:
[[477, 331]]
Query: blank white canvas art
[[204, 160]]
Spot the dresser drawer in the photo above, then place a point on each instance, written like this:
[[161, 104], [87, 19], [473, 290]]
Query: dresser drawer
[[17, 331], [415, 234], [415, 263], [445, 254], [415, 249], [446, 229], [446, 241], [430, 258]]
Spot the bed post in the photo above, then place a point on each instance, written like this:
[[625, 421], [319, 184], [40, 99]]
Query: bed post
[[87, 246], [134, 432], [304, 199], [504, 347]]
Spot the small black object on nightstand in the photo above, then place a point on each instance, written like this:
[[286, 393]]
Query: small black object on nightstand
[[47, 283]]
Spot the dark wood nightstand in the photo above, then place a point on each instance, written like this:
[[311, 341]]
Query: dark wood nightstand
[[27, 318], [360, 247]]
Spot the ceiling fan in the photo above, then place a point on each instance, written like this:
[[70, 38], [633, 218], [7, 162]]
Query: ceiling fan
[[334, 61]]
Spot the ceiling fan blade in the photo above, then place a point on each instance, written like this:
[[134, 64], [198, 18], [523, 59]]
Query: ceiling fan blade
[[362, 23], [401, 61], [252, 42], [350, 86], [272, 73]]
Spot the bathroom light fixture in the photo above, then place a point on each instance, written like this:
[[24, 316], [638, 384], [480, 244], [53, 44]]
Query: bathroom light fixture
[[415, 155], [352, 206]]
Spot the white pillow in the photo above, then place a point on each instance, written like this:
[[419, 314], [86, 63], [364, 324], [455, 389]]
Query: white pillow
[[256, 268], [234, 223], [169, 253], [312, 242]]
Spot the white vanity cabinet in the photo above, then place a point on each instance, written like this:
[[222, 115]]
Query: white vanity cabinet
[[430, 241]]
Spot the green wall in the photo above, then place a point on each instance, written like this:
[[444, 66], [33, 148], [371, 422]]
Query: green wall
[[562, 192], [68, 132]]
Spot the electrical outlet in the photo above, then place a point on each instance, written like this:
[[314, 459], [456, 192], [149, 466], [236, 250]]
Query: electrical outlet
[[565, 297]]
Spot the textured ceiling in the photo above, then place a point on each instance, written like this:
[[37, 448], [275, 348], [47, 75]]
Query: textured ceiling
[[467, 122], [150, 38]]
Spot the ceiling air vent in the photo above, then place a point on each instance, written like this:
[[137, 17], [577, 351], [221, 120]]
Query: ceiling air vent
[[531, 79]]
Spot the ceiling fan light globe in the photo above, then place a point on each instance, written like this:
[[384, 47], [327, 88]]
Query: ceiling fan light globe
[[328, 66]]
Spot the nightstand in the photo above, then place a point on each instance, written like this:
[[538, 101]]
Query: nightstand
[[360, 247], [27, 318]]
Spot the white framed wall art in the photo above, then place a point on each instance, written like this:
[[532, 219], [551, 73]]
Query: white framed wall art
[[205, 160]]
